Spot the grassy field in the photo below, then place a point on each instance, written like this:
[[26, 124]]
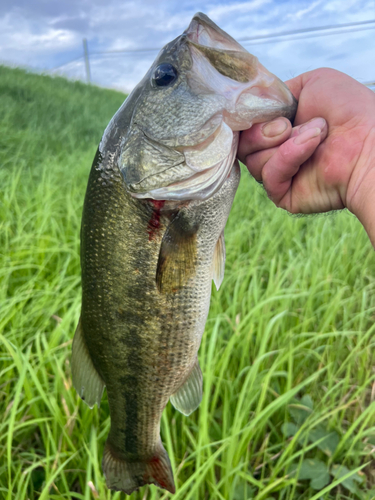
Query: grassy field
[[287, 357]]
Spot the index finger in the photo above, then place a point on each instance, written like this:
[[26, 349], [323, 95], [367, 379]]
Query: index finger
[[297, 83], [263, 136], [295, 86]]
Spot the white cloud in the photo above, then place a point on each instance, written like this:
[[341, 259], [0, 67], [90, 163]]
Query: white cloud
[[340, 6], [48, 34], [219, 11], [302, 12], [23, 42]]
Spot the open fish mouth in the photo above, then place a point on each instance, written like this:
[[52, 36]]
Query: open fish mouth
[[221, 65], [241, 91]]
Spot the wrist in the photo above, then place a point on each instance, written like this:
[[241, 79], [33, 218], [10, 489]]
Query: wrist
[[365, 211], [361, 189]]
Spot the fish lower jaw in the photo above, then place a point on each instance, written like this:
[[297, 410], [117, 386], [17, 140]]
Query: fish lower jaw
[[201, 185], [202, 189]]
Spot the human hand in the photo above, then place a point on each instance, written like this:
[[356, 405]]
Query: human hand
[[327, 161]]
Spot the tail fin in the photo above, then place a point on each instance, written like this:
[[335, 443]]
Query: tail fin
[[128, 476]]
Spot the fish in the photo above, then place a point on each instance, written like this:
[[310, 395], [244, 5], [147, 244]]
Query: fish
[[158, 197]]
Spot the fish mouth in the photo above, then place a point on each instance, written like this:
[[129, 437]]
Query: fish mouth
[[245, 77]]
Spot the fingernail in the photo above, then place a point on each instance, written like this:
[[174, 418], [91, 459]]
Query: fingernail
[[315, 123], [274, 128], [307, 135]]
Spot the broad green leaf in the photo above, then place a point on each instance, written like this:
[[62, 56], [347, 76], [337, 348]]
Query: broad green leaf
[[330, 442], [349, 483], [307, 401], [319, 482], [312, 468], [315, 470], [289, 429], [243, 491], [299, 412]]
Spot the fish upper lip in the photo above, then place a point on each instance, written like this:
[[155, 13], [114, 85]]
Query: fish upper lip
[[217, 37], [198, 29]]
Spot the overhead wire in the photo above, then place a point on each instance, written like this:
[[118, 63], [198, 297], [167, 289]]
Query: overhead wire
[[269, 35], [66, 64], [318, 35], [245, 42], [256, 40], [305, 30]]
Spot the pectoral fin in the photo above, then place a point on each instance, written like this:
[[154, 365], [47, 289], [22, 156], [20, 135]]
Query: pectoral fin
[[86, 380], [178, 254], [189, 395], [219, 261]]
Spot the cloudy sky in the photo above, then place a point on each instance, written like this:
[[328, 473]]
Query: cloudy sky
[[46, 34]]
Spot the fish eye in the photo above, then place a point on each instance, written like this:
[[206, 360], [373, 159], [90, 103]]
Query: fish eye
[[164, 75]]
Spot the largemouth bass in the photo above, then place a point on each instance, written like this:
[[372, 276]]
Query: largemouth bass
[[158, 198]]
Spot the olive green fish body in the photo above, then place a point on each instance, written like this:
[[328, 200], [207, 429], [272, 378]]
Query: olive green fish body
[[143, 341], [158, 198]]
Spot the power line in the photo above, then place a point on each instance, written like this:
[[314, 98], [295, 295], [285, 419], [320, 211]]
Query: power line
[[125, 50], [261, 37], [246, 42], [306, 30], [66, 64], [339, 29], [318, 35]]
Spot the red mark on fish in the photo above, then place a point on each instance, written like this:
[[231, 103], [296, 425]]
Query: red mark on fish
[[154, 222]]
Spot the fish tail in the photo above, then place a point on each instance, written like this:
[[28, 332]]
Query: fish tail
[[127, 476]]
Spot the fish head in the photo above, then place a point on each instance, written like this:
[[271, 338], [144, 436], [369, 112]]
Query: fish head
[[202, 89]]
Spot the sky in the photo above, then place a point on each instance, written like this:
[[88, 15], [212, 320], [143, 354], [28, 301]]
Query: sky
[[46, 35]]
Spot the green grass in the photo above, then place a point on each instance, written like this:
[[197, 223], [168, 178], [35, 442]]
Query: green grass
[[287, 355]]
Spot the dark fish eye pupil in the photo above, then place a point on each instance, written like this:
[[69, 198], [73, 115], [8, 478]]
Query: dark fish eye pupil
[[164, 75]]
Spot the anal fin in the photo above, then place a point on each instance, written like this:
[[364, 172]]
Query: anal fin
[[219, 261], [86, 380], [188, 397]]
